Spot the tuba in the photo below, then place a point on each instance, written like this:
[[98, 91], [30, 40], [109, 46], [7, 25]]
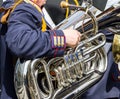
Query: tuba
[[68, 76]]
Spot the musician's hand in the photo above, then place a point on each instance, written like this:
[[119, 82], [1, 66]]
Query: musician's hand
[[73, 37]]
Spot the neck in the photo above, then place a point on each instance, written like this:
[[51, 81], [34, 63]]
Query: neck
[[35, 5], [35, 2]]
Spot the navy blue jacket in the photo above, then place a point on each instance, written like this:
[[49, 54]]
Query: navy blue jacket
[[25, 39], [6, 66]]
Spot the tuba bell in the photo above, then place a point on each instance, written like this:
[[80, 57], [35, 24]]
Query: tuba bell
[[70, 75]]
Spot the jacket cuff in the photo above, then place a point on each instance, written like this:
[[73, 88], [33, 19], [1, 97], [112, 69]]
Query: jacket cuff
[[58, 42]]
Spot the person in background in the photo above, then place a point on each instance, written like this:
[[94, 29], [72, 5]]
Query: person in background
[[28, 37]]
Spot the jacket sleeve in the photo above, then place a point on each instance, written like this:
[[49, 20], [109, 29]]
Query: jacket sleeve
[[26, 40]]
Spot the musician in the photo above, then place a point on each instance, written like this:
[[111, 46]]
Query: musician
[[27, 37]]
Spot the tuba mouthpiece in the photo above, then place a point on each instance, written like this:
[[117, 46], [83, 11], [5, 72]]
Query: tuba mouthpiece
[[64, 4]]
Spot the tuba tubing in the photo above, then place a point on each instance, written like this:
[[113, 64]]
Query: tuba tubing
[[68, 76], [104, 19]]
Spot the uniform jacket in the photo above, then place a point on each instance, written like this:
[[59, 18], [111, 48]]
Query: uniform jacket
[[25, 39], [6, 66]]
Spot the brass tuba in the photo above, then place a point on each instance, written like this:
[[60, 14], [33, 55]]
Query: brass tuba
[[68, 76]]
